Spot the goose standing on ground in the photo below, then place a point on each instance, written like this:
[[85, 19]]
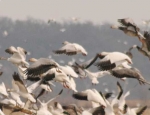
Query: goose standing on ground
[[18, 56], [20, 88], [110, 60], [145, 49], [71, 49]]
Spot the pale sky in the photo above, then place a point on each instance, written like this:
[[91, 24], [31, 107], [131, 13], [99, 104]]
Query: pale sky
[[97, 11]]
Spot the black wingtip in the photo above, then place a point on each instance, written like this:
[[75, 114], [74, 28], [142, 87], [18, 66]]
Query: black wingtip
[[108, 95], [60, 92], [118, 83]]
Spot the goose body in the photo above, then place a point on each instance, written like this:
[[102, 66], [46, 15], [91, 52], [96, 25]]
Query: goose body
[[71, 49], [110, 60], [20, 88], [90, 95], [18, 56], [3, 90], [94, 76]]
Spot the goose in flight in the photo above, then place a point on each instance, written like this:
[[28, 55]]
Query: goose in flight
[[109, 106], [1, 113], [18, 56], [129, 27], [20, 88], [3, 90], [21, 70], [129, 23], [120, 98], [110, 60], [44, 109], [72, 109], [40, 66], [71, 49], [95, 75], [129, 73], [90, 95], [69, 71], [12, 50], [145, 49], [133, 111]]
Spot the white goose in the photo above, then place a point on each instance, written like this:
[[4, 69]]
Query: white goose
[[18, 56], [21, 70], [44, 109], [20, 88], [95, 75], [3, 90], [40, 66], [90, 95], [71, 49], [69, 71], [1, 113], [110, 60]]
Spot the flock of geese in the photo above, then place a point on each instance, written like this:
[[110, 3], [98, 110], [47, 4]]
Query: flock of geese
[[44, 72]]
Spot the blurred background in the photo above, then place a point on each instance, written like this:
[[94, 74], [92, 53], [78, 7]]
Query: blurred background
[[41, 26]]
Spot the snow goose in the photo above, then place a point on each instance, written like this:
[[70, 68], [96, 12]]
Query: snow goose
[[3, 90], [110, 60], [79, 70], [120, 92], [71, 49], [134, 111], [109, 106], [18, 56], [57, 75], [145, 49], [9, 102], [128, 22], [129, 73], [17, 99], [90, 95], [58, 107], [69, 71], [21, 70], [129, 28], [95, 75], [71, 84], [1, 113], [44, 109], [12, 50], [20, 88], [40, 66], [72, 109]]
